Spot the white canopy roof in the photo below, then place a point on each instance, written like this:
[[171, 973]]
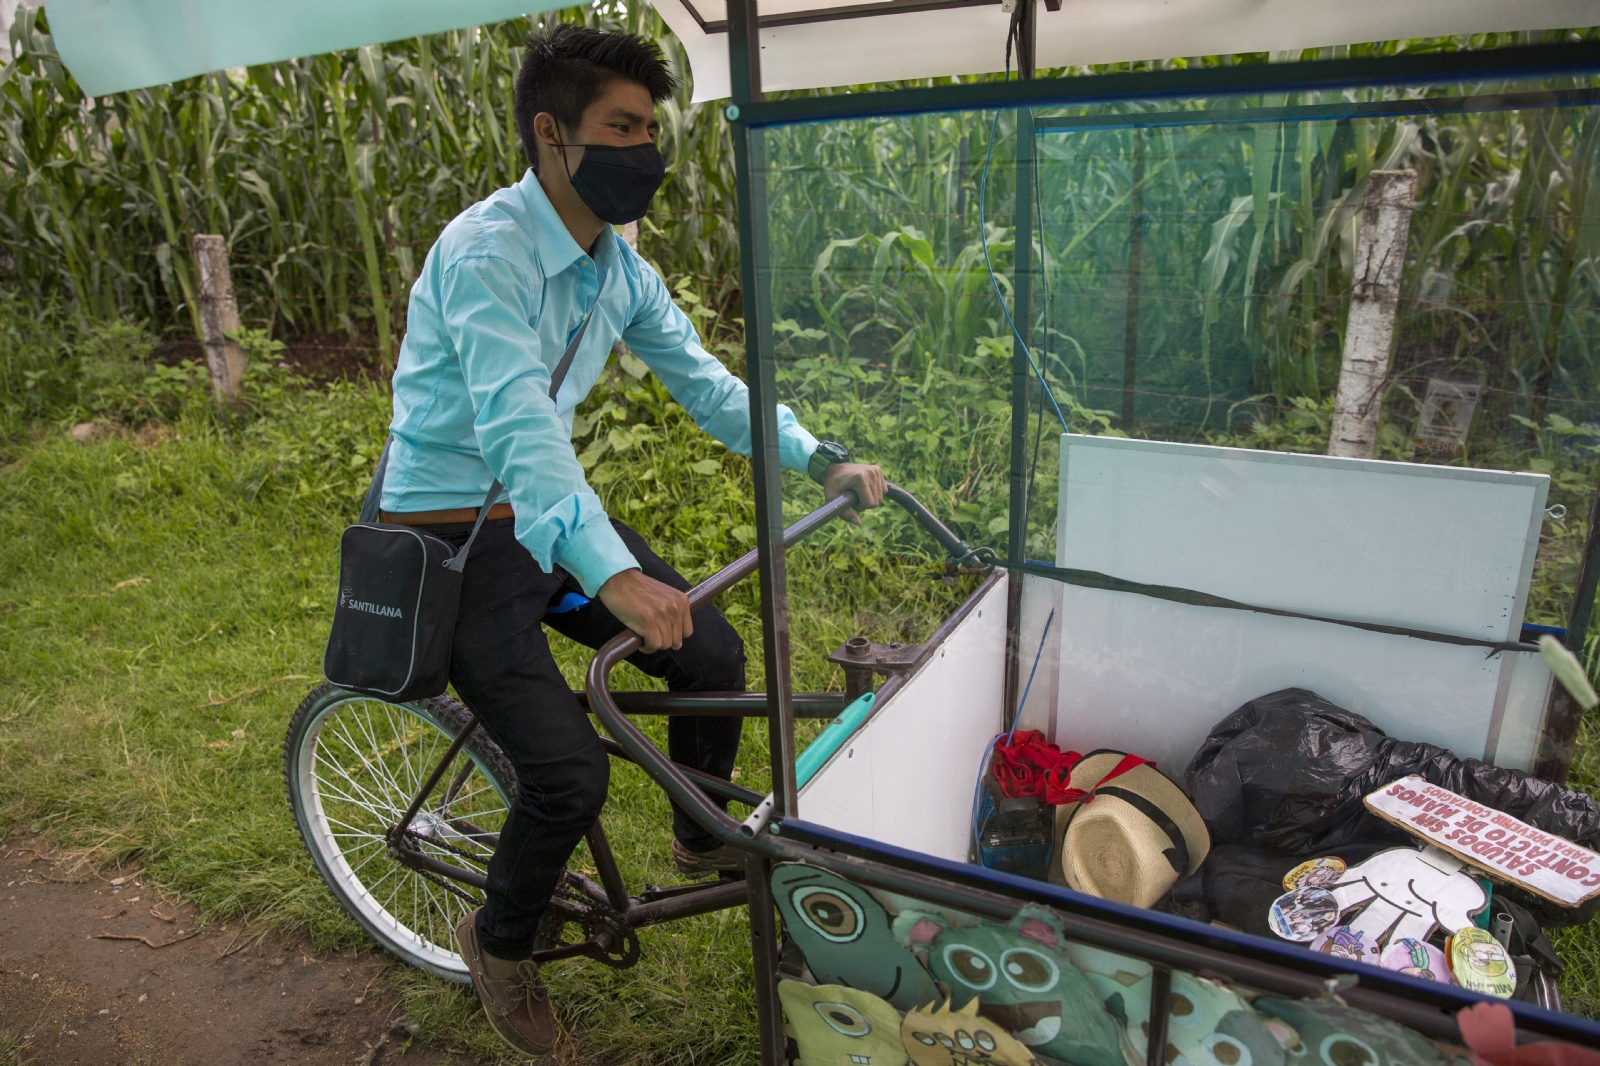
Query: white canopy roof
[[815, 43], [112, 45]]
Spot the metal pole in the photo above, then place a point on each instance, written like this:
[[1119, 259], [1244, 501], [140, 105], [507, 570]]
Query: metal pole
[[1022, 315], [1130, 326], [744, 59], [744, 63], [765, 953]]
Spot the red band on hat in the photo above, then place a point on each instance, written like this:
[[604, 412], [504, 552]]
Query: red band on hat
[[1058, 787]]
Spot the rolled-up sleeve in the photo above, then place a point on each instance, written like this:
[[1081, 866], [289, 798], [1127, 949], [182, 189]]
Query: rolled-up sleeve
[[662, 335], [487, 305]]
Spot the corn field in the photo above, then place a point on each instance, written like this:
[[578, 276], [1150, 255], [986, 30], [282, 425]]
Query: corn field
[[1191, 268], [329, 176]]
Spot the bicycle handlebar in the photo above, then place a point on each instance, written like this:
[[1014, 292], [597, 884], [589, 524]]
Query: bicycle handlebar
[[667, 774]]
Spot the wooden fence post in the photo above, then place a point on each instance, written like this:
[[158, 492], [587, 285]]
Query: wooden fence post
[[219, 316], [1374, 299]]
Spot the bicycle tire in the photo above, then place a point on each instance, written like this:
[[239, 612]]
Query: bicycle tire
[[351, 766]]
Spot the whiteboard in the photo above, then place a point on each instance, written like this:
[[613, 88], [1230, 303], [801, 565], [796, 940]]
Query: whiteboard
[[1442, 549]]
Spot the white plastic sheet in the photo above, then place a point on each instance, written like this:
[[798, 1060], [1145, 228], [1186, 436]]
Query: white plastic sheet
[[971, 40]]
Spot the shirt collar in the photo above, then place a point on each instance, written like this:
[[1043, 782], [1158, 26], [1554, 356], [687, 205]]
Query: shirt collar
[[554, 245]]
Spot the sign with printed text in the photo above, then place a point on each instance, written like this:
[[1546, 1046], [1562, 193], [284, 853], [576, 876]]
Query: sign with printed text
[[1446, 417], [1496, 843]]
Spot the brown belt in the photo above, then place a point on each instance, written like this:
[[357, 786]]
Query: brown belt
[[443, 518]]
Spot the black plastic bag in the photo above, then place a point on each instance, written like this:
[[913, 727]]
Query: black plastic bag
[[1287, 772]]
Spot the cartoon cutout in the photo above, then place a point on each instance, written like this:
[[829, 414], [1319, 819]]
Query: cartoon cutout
[[1480, 963], [1315, 873], [1417, 958], [1404, 892], [1342, 942], [1303, 914], [940, 1036], [838, 1026], [844, 933], [1332, 1035], [1208, 1024], [1022, 981]]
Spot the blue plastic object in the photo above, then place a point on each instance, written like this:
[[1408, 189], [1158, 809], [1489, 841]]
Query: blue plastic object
[[817, 753], [569, 602]]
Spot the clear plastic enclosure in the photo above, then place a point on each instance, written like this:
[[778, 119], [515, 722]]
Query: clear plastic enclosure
[[1312, 402]]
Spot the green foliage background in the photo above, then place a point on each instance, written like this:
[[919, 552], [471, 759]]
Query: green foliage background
[[167, 584]]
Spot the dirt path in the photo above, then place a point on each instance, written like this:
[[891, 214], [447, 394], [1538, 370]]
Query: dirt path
[[70, 994]]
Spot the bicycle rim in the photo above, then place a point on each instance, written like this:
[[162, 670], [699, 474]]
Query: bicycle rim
[[360, 763]]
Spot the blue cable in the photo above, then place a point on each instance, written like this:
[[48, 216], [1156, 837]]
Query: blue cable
[[1023, 702], [983, 236]]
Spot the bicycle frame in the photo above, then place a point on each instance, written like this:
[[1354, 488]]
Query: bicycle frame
[[603, 908]]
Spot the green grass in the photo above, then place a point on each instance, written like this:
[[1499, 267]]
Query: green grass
[[164, 599]]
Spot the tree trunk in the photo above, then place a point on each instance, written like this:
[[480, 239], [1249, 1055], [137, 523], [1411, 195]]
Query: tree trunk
[[1374, 299]]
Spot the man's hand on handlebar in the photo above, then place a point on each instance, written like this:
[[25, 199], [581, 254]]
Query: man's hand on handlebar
[[658, 614], [867, 482]]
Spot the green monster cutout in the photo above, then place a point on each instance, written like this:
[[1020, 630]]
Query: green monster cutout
[[839, 1026], [1331, 1035], [1208, 1024], [1023, 982], [844, 934]]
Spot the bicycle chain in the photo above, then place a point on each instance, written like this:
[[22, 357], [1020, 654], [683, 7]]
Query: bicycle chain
[[591, 916], [448, 886]]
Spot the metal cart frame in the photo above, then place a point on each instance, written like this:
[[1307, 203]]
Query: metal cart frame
[[776, 832]]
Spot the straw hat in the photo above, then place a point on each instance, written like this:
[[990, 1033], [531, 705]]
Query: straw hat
[[1131, 836]]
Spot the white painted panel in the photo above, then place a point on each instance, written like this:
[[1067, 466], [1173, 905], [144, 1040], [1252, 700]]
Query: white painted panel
[[1518, 739], [1152, 677], [907, 777], [1436, 548], [1432, 547]]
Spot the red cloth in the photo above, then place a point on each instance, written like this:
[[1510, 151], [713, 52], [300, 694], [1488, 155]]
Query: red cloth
[[1025, 764], [1490, 1031]]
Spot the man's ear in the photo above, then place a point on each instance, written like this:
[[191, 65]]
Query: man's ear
[[546, 128]]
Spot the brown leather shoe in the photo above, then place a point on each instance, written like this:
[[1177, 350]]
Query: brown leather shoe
[[513, 995], [704, 864]]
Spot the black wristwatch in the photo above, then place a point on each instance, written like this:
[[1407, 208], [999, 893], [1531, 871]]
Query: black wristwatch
[[826, 455]]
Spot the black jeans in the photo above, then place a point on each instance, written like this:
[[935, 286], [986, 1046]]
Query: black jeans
[[503, 670]]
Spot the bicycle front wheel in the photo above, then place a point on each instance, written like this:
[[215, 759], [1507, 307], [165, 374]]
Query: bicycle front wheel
[[352, 765]]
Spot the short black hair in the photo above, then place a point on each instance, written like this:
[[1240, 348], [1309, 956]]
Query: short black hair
[[568, 67]]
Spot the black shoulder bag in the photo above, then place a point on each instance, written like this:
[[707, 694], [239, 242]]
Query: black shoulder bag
[[399, 590]]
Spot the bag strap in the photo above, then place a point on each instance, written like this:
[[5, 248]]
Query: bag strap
[[457, 562], [559, 374]]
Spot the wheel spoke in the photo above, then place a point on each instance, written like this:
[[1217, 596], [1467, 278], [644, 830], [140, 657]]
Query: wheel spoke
[[364, 761]]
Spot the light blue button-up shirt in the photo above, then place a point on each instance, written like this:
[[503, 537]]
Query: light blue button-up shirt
[[501, 295]]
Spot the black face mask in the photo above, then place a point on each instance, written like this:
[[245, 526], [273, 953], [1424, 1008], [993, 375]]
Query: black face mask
[[617, 183]]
